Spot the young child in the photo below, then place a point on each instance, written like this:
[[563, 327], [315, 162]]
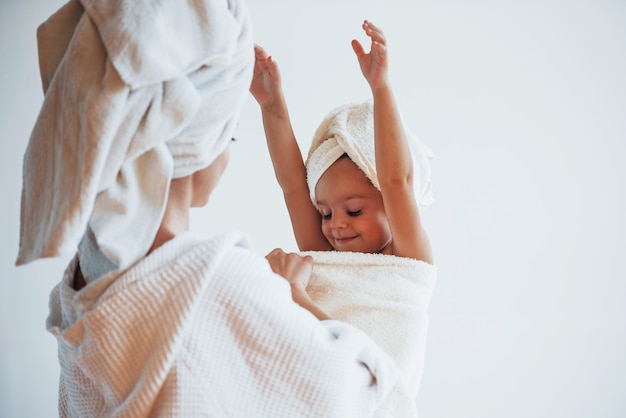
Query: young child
[[344, 211], [355, 210]]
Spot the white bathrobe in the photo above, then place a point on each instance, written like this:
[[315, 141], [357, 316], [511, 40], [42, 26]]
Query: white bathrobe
[[205, 328]]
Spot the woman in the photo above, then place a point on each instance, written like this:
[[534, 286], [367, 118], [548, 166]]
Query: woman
[[150, 319]]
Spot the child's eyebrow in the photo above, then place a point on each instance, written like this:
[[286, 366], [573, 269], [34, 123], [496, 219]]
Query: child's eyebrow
[[356, 196], [347, 198]]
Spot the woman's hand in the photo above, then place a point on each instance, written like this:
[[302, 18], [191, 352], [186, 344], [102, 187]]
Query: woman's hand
[[293, 267], [373, 64], [297, 271], [265, 86]]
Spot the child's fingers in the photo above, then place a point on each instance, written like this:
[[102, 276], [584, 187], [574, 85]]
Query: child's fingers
[[265, 62], [379, 47], [358, 48], [369, 25], [272, 66], [374, 32], [259, 53], [379, 51]]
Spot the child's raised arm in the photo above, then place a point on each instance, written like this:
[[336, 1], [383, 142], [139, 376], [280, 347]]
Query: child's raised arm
[[394, 164], [285, 153]]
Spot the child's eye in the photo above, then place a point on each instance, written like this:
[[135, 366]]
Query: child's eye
[[354, 213], [326, 216]]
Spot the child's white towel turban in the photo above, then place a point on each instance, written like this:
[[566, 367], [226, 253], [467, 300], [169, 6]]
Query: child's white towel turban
[[136, 93], [350, 129]]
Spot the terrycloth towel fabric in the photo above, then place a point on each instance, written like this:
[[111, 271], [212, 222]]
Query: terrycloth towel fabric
[[136, 93], [350, 129], [205, 328], [387, 297]]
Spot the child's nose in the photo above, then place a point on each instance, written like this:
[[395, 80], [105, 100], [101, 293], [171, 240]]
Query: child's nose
[[338, 222]]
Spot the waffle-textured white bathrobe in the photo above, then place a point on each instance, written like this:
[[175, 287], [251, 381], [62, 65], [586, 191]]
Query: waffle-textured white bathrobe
[[205, 328], [387, 297]]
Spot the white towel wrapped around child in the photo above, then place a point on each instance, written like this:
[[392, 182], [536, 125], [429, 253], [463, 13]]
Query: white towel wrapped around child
[[387, 297]]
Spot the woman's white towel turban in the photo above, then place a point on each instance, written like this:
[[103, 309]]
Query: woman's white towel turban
[[136, 93], [349, 129]]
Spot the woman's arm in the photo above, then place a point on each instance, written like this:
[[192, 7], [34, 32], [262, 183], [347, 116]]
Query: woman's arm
[[285, 154], [394, 164]]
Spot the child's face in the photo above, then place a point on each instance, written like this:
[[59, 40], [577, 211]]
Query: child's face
[[353, 215]]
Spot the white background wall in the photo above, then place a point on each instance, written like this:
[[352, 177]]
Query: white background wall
[[524, 103]]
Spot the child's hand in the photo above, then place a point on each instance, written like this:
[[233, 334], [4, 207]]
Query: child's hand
[[265, 85], [293, 267], [373, 64]]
